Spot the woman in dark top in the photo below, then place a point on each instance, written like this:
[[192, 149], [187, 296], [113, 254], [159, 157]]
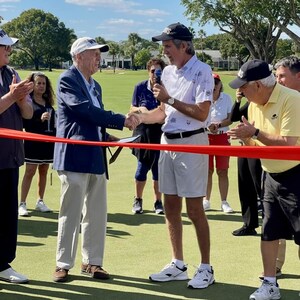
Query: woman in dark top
[[249, 179], [143, 100], [38, 155]]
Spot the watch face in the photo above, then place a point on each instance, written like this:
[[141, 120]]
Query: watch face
[[171, 101]]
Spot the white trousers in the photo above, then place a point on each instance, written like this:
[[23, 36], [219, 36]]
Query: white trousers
[[83, 198]]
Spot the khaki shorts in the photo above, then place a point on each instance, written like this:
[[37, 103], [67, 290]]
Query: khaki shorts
[[183, 174]]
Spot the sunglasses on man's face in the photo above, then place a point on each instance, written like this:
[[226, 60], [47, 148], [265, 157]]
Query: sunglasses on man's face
[[6, 47], [153, 70]]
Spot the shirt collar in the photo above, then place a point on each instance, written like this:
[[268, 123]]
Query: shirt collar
[[188, 65]]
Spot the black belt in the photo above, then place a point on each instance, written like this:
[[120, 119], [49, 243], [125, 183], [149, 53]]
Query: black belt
[[184, 134]]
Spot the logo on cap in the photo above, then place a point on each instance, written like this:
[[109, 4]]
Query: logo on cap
[[241, 74], [167, 30]]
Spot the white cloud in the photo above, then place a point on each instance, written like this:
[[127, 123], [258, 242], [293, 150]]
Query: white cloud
[[148, 12], [120, 22], [117, 4], [156, 20], [120, 6]]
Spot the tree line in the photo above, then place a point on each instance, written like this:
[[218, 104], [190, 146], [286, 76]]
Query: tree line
[[251, 29]]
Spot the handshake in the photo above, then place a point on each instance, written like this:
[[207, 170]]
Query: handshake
[[132, 120], [142, 115]]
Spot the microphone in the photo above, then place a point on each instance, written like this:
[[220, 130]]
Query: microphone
[[157, 76]]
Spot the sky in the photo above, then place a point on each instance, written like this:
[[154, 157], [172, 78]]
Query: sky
[[111, 19]]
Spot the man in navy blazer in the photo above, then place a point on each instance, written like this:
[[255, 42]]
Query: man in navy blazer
[[82, 169]]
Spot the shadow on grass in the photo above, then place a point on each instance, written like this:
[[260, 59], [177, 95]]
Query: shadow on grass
[[138, 219], [37, 228], [33, 213], [119, 288]]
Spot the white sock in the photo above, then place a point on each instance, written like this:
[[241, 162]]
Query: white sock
[[270, 279], [179, 263], [205, 267]]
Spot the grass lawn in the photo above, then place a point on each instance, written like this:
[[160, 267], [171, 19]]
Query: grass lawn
[[138, 245]]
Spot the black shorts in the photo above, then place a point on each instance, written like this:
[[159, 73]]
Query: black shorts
[[281, 204]]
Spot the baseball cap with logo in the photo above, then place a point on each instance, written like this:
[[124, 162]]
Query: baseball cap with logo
[[6, 40], [87, 43], [174, 31], [252, 70]]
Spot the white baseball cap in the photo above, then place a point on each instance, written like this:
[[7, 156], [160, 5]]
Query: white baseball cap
[[86, 43], [6, 40]]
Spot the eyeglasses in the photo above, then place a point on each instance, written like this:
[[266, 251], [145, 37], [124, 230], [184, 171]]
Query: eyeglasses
[[6, 47]]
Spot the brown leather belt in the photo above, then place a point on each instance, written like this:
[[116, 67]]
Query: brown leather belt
[[184, 134]]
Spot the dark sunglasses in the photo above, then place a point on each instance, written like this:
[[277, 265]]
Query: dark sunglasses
[[153, 70]]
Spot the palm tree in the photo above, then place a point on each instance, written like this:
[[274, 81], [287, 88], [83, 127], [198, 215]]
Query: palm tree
[[114, 50], [133, 46]]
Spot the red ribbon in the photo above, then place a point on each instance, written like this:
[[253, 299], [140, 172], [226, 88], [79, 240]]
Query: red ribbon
[[268, 152]]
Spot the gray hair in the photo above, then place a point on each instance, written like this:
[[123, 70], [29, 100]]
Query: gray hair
[[290, 62], [267, 82], [190, 46]]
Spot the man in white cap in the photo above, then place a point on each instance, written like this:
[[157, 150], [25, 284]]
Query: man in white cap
[[82, 169], [273, 120], [14, 104]]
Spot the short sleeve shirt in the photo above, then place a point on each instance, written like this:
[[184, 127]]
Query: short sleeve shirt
[[279, 116], [220, 109], [192, 84]]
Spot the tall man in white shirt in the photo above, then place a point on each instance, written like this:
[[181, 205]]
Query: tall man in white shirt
[[186, 94]]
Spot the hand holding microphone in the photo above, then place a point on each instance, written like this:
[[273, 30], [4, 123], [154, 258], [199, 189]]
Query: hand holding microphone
[[157, 76]]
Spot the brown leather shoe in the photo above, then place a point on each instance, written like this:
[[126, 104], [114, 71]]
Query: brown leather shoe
[[96, 272], [60, 275]]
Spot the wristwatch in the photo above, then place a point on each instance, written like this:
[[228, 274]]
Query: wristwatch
[[255, 135], [171, 101]]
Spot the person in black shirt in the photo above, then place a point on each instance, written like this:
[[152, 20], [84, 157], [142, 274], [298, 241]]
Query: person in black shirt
[[15, 103], [249, 179], [38, 155]]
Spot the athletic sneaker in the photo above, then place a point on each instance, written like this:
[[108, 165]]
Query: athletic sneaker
[[23, 212], [137, 207], [267, 291], [206, 205], [158, 207], [202, 279], [226, 207], [170, 272], [42, 207]]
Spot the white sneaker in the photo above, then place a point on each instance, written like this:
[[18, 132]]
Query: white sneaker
[[41, 206], [23, 212], [206, 205], [170, 272], [267, 291], [226, 207], [202, 279], [10, 275]]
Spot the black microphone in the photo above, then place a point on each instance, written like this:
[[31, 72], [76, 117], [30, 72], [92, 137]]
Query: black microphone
[[157, 76]]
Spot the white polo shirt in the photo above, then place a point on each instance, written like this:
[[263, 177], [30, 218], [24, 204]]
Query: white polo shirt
[[193, 83]]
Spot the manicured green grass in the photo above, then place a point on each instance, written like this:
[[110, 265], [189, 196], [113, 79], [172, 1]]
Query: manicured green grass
[[138, 245]]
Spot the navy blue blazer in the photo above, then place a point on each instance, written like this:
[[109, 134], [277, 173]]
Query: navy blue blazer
[[79, 119]]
